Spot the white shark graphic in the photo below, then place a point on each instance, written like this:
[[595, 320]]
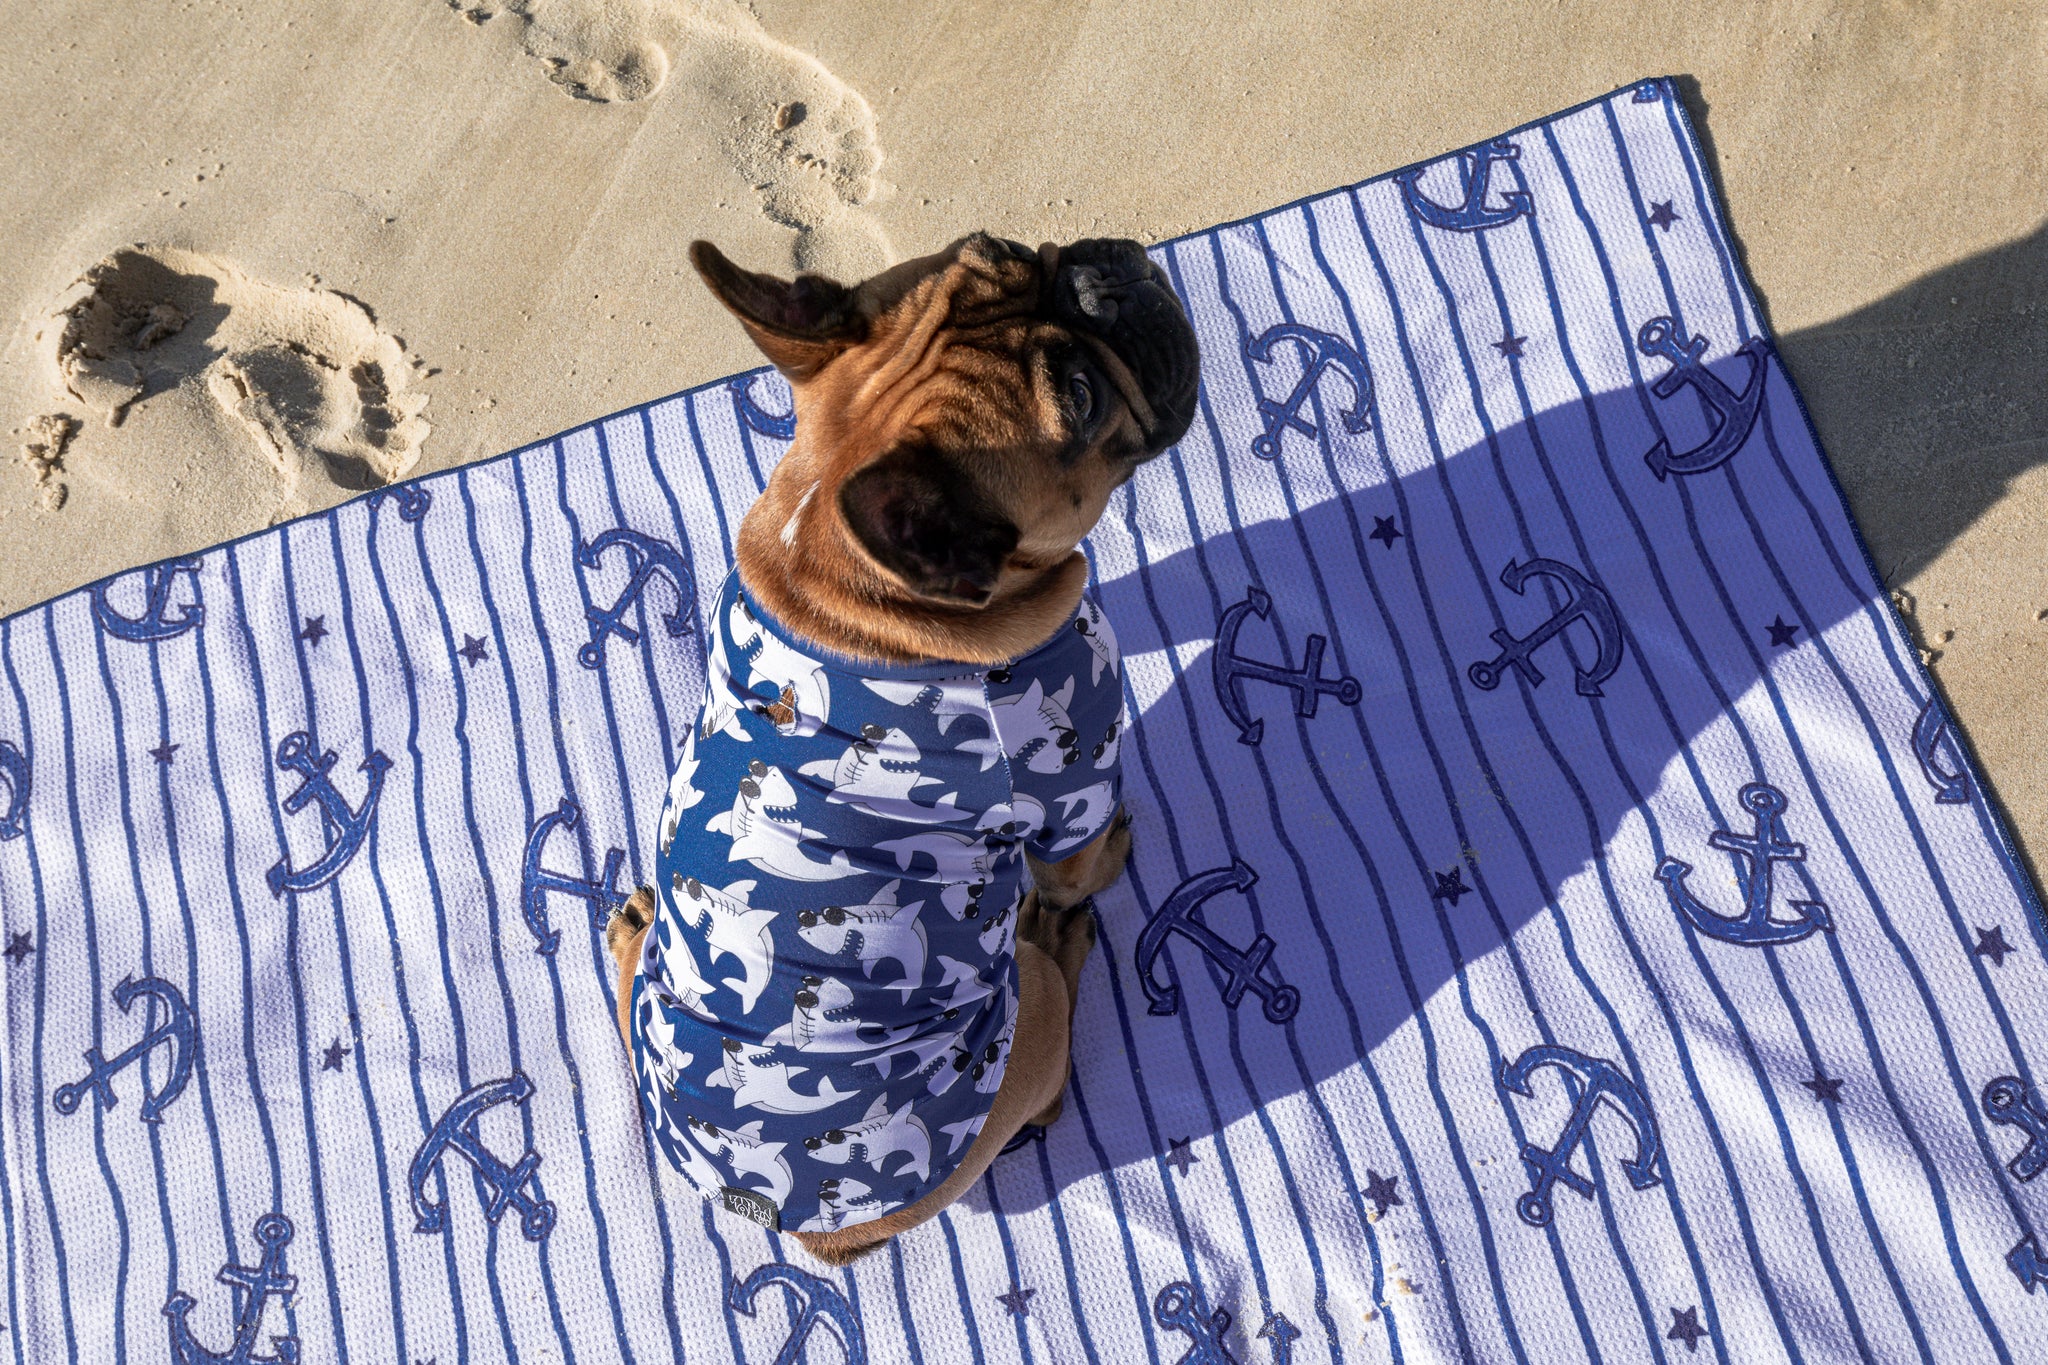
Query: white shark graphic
[[880, 931], [967, 988], [878, 1136], [1106, 752], [1094, 627], [989, 1067], [721, 694], [682, 790], [734, 929], [839, 1198], [996, 935], [1036, 729], [947, 699], [765, 831], [955, 857], [663, 1058], [805, 692], [965, 1131], [671, 969], [878, 774], [1020, 819], [758, 1083], [816, 1022], [920, 1050], [746, 1154], [1095, 803]]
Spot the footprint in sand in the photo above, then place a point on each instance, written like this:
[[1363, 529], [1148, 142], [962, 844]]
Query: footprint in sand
[[803, 139], [305, 373]]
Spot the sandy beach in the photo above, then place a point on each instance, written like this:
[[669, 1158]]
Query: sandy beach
[[262, 256]]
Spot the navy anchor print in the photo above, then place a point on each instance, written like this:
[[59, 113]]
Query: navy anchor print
[[14, 777], [815, 1306], [1585, 601], [167, 1022], [1246, 967], [501, 1186], [2028, 1265], [412, 499], [160, 618], [2010, 1100], [1179, 1308], [1760, 851], [646, 559], [1603, 1084], [1320, 354], [1232, 670], [1734, 413], [602, 893], [1475, 177], [779, 425], [344, 825], [1931, 741], [254, 1287]]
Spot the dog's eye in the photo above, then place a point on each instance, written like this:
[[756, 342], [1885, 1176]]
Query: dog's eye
[[1081, 389]]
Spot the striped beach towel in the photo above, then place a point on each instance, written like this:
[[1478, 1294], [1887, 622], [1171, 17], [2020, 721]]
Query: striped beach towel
[[1563, 925]]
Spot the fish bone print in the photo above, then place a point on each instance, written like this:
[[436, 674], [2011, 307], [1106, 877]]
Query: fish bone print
[[1563, 922]]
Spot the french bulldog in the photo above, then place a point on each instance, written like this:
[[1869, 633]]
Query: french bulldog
[[853, 980]]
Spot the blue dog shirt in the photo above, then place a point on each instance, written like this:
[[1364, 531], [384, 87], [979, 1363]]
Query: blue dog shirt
[[824, 1005]]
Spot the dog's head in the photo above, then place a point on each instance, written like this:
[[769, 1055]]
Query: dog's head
[[967, 414]]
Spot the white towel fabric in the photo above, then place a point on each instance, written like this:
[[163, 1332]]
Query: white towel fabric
[[1619, 823]]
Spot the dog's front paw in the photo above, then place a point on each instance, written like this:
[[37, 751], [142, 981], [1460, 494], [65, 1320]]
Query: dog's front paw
[[627, 921], [1068, 883]]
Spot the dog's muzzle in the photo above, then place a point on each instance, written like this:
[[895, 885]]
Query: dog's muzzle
[[1109, 288]]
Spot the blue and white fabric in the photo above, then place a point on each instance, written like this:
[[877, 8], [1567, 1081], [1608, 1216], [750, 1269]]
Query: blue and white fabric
[[825, 1003], [1562, 923]]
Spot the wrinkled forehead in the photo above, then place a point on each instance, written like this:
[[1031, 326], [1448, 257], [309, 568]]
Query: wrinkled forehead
[[977, 281]]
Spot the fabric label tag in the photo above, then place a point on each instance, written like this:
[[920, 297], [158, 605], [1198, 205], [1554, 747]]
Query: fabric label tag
[[747, 1204]]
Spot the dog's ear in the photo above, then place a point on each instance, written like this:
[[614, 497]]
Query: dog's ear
[[926, 522], [799, 324]]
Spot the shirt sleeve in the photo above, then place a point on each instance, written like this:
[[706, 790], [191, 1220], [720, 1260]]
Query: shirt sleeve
[[1082, 797]]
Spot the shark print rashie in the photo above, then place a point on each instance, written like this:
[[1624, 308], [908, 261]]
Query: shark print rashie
[[824, 1006]]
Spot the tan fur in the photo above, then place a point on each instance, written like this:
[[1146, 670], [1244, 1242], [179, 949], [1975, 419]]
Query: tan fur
[[624, 933], [952, 353]]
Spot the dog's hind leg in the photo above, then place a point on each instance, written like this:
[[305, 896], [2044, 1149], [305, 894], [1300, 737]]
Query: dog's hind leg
[[1066, 937], [624, 933]]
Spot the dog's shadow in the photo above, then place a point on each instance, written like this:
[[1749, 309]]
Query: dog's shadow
[[1345, 894]]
